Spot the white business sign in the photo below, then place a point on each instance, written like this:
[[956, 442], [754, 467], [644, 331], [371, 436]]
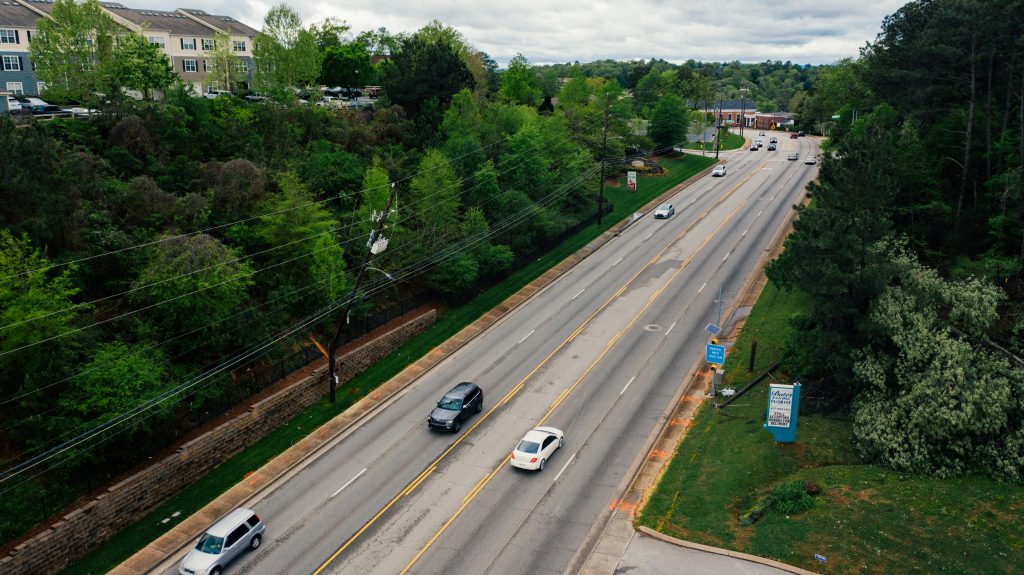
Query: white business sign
[[780, 405], [631, 181]]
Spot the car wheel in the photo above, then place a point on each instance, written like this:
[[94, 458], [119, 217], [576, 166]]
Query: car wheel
[[561, 441], [456, 426], [479, 406], [255, 543], [215, 571], [541, 468]]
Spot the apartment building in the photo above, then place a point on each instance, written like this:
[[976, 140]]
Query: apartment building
[[185, 35]]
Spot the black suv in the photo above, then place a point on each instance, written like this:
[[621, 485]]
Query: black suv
[[455, 407]]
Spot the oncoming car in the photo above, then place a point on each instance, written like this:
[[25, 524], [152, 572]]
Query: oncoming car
[[664, 211], [536, 448], [809, 160], [793, 156], [718, 171]]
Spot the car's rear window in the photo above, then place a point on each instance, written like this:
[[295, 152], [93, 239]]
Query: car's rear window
[[210, 544], [528, 446]]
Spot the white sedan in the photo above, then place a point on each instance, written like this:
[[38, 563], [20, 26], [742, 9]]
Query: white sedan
[[536, 448], [664, 211]]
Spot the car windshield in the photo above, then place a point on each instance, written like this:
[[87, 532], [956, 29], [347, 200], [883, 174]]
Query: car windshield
[[665, 207], [450, 403], [528, 446], [210, 544]]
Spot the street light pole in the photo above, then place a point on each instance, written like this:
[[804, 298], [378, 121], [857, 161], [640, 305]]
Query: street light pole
[[718, 132], [604, 152], [332, 374]]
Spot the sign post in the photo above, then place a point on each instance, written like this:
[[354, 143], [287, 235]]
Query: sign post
[[783, 404]]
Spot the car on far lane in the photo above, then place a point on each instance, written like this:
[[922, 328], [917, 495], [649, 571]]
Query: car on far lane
[[753, 147], [762, 133], [536, 447], [810, 160], [664, 211], [793, 156], [793, 136], [718, 171], [771, 147], [773, 140]]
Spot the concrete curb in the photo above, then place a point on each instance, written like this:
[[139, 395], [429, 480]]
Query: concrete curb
[[157, 554], [719, 551]]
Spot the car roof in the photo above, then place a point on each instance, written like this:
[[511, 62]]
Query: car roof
[[664, 206], [229, 522], [461, 389], [539, 434]]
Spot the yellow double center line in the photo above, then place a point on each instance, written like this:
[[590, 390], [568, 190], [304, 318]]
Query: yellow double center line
[[519, 386]]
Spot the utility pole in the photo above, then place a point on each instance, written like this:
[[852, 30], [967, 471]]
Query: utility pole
[[718, 132], [604, 152], [332, 375]]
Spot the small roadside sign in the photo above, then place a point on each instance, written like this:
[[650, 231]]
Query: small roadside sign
[[820, 558], [712, 329], [715, 354]]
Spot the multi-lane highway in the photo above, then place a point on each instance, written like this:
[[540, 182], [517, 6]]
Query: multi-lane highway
[[599, 354]]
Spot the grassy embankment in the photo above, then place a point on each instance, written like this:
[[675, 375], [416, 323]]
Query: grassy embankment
[[230, 472], [867, 519], [730, 142]]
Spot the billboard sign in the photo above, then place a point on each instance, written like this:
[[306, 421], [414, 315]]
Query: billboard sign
[[783, 407]]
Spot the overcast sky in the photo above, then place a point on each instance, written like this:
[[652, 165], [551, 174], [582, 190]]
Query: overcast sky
[[556, 31]]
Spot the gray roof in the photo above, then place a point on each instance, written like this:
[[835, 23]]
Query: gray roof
[[226, 23], [735, 105], [17, 16], [172, 22]]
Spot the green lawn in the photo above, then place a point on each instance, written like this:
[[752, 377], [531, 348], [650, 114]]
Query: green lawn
[[867, 519], [130, 540], [730, 142]]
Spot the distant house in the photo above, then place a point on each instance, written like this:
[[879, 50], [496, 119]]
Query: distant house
[[735, 112], [185, 35], [773, 120]]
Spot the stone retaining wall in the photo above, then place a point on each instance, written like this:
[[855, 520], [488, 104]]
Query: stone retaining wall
[[79, 532]]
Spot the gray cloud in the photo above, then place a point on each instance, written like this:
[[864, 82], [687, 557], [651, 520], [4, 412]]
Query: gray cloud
[[802, 31]]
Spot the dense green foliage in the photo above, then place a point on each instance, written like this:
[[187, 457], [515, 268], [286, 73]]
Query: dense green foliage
[[914, 252]]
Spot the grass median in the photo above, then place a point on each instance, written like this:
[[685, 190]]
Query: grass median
[[866, 519], [222, 478]]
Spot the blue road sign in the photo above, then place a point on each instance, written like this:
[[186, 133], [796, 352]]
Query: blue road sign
[[712, 329], [715, 354]]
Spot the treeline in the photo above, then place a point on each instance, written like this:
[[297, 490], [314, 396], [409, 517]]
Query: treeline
[[774, 86], [914, 250]]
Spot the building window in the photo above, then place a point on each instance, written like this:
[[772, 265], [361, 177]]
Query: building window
[[28, 36], [242, 66], [40, 87], [8, 36], [209, 44], [188, 43], [157, 41], [188, 65], [15, 88], [12, 63], [238, 45], [206, 66]]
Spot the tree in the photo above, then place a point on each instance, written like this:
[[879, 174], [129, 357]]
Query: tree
[[35, 305], [937, 400], [669, 122], [72, 50], [223, 62], [188, 283], [520, 84], [380, 42], [346, 65], [119, 377], [141, 66], [285, 53], [331, 33], [434, 200]]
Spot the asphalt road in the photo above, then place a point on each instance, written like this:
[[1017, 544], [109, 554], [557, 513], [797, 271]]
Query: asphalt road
[[599, 354]]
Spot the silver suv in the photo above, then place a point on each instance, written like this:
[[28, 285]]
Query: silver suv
[[239, 530]]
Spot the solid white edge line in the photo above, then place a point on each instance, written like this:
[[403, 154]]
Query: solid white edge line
[[670, 327], [578, 294], [340, 489], [627, 385], [527, 335], [571, 457]]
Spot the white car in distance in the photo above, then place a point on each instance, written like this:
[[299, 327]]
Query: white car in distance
[[718, 171], [536, 447]]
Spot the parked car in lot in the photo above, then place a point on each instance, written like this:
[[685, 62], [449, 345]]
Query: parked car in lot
[[793, 156], [718, 171], [224, 541], [455, 407], [536, 447], [664, 211], [809, 160]]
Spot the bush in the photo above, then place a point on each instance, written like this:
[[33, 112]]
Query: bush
[[787, 499]]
